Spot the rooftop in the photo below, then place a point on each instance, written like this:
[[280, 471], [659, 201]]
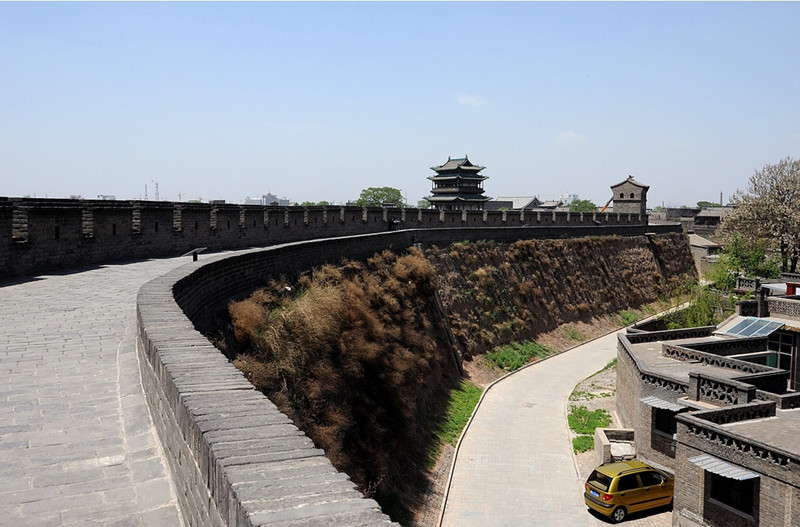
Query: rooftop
[[780, 431]]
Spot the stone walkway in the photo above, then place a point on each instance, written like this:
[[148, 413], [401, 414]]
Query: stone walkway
[[514, 466], [77, 446]]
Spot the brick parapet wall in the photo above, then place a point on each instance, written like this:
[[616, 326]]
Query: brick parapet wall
[[53, 233], [634, 382], [702, 432], [779, 481], [636, 336]]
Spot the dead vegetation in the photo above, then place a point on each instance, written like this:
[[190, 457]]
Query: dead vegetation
[[356, 356]]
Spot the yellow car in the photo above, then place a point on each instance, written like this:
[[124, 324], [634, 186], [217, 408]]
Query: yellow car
[[617, 489]]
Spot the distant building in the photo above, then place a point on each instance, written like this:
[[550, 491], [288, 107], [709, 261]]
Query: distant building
[[566, 199], [523, 203], [630, 197], [458, 185], [268, 200], [512, 203]]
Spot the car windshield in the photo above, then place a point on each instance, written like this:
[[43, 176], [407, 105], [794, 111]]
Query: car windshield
[[601, 481]]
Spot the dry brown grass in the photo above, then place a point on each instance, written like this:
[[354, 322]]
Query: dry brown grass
[[359, 360]]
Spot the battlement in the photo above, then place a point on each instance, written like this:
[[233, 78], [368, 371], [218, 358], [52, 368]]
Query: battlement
[[44, 234]]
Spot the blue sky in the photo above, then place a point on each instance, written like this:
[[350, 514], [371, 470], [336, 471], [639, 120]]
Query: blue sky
[[316, 101]]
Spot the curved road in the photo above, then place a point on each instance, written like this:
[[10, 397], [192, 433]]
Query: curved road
[[514, 465]]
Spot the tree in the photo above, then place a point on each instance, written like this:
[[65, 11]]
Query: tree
[[740, 257], [582, 205], [378, 196], [768, 212], [707, 204], [423, 204], [315, 204]]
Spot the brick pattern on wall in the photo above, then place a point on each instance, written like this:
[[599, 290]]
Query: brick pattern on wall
[[44, 234]]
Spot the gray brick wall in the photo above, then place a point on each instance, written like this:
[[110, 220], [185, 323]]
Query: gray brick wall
[[127, 230]]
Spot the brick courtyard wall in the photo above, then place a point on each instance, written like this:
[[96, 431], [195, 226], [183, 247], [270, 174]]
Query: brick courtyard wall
[[635, 382], [778, 497], [55, 233], [235, 459]]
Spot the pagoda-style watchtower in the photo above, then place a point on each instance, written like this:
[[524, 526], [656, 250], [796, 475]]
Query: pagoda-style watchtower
[[458, 185]]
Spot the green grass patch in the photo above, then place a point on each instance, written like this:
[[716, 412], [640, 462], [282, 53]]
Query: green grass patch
[[582, 443], [628, 317], [459, 409], [516, 355], [574, 334], [583, 421], [612, 364]]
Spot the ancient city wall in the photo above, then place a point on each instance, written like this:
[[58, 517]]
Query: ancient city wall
[[235, 459], [44, 234]]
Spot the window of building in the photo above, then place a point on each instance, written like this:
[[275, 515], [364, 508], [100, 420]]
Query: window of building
[[664, 421], [736, 494]]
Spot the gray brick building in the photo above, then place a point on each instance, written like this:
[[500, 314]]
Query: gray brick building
[[717, 406]]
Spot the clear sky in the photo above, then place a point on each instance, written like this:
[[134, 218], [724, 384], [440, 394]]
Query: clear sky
[[317, 101]]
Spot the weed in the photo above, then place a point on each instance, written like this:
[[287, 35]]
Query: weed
[[583, 421], [516, 355], [628, 317], [463, 400], [574, 334], [611, 365], [582, 443]]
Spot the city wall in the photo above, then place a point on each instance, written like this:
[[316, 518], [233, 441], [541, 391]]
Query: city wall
[[39, 235], [235, 459]]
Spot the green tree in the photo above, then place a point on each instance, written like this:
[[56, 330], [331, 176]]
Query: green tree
[[378, 196], [582, 205], [315, 204], [742, 257], [423, 204], [707, 204], [768, 212]]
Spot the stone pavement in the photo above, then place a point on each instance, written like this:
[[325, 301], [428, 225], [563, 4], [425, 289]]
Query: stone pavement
[[514, 466], [77, 445]]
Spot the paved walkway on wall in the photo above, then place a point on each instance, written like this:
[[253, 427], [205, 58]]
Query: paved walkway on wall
[[514, 466], [77, 446]]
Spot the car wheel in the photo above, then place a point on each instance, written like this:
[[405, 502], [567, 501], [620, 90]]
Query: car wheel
[[619, 514]]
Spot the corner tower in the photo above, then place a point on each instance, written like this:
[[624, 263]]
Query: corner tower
[[630, 197]]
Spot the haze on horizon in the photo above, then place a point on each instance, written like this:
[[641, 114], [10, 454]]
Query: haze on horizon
[[317, 101]]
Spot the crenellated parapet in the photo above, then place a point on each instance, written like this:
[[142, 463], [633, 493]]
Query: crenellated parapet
[[46, 234]]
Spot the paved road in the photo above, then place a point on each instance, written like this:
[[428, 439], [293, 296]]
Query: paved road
[[514, 466], [77, 446]]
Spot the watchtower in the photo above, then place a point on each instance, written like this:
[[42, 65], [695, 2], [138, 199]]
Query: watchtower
[[630, 197]]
